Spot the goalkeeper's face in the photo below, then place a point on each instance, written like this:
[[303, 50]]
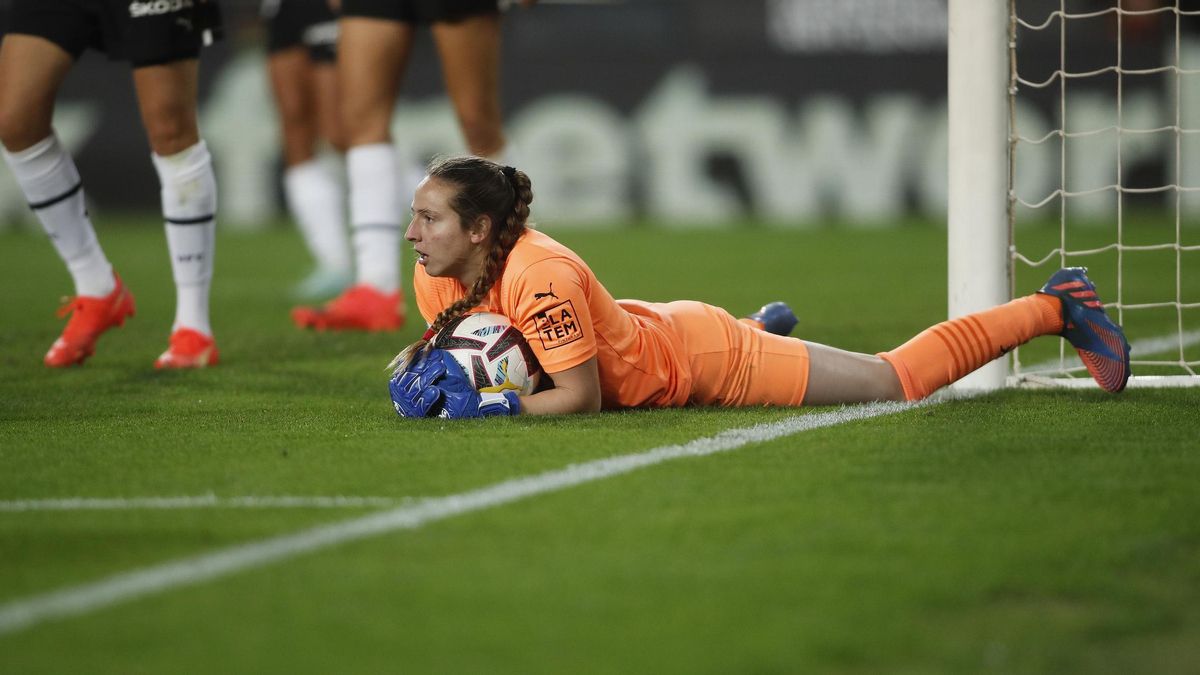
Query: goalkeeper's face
[[444, 245]]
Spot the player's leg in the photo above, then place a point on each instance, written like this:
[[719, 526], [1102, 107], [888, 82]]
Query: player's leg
[[313, 192], [761, 368], [373, 49], [301, 48], [735, 364], [373, 53], [31, 70], [1067, 305], [469, 49], [938, 356], [838, 376], [950, 350], [327, 99], [291, 74], [167, 98]]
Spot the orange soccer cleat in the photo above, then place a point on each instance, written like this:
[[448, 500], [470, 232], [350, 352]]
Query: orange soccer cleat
[[189, 349], [90, 317], [362, 307]]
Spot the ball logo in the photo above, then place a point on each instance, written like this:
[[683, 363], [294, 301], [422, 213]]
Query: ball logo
[[492, 352], [558, 326]]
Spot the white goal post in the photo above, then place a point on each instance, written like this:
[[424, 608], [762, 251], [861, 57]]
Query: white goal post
[[977, 239], [985, 80]]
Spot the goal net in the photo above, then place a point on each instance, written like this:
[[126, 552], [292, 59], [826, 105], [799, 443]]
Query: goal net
[[1103, 158]]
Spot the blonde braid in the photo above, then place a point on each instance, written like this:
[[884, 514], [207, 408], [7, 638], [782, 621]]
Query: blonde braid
[[505, 239]]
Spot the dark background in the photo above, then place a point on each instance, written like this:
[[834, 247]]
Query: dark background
[[619, 53]]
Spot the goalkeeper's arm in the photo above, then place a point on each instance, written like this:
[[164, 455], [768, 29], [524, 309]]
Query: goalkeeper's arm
[[575, 390]]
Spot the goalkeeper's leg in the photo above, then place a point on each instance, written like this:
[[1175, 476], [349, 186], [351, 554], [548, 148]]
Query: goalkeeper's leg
[[936, 357], [733, 364], [948, 351]]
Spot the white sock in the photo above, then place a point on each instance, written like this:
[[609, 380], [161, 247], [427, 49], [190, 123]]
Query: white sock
[[376, 215], [317, 202], [189, 200], [50, 182]]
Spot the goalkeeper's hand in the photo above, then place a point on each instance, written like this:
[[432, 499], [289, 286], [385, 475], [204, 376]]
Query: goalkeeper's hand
[[436, 386], [413, 391], [459, 398]]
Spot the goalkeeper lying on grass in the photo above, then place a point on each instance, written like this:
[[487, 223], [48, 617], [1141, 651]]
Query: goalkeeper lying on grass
[[474, 252]]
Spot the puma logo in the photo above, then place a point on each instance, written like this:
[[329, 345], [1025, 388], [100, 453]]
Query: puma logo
[[547, 294]]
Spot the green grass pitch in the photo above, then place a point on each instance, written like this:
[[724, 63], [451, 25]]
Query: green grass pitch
[[1019, 532]]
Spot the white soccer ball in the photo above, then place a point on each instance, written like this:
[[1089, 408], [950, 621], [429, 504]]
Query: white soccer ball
[[492, 352]]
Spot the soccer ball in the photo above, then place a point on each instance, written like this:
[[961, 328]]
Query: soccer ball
[[492, 352]]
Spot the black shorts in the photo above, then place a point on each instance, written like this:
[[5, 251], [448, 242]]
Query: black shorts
[[142, 32], [420, 11], [301, 23]]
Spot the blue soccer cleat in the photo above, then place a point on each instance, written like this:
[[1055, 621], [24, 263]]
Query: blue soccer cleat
[[776, 318], [1100, 342]]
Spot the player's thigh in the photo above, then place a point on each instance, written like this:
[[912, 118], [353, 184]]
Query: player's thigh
[[372, 55], [469, 50], [31, 71], [167, 98], [733, 364]]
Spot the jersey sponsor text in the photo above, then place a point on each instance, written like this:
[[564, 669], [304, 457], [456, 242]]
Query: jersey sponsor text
[[558, 326], [157, 7]]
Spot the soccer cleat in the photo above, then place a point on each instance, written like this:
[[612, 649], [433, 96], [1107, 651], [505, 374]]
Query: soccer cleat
[[90, 317], [189, 349], [776, 318], [1100, 342], [362, 307]]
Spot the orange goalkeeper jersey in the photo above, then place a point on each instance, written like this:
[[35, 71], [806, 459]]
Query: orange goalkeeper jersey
[[567, 317], [647, 354]]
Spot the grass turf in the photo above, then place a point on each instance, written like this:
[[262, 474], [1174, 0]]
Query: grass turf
[[1021, 532]]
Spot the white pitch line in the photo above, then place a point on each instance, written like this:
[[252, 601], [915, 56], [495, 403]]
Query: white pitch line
[[207, 501], [27, 612], [1137, 349], [1163, 343]]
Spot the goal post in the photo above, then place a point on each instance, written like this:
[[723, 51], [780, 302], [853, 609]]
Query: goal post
[[1122, 133], [977, 216]]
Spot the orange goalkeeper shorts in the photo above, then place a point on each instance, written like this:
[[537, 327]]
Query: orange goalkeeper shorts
[[733, 364]]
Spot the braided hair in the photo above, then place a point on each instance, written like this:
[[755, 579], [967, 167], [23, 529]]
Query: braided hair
[[485, 188]]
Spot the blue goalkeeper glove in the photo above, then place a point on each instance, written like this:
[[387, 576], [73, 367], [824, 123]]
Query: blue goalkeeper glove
[[459, 398], [435, 385], [413, 391]]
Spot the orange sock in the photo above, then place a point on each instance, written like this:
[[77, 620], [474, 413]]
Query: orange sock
[[948, 351]]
